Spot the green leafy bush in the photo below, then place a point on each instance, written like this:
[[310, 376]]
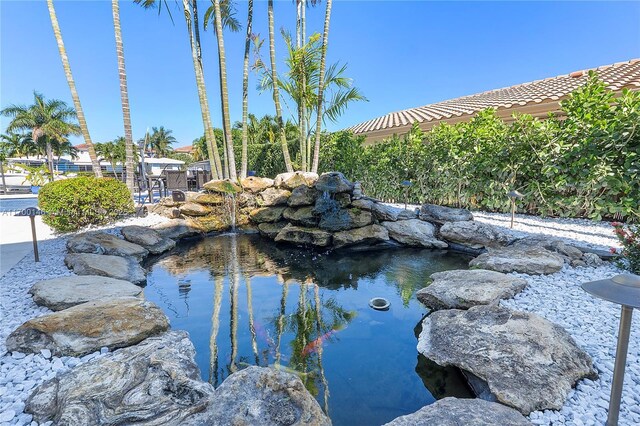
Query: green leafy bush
[[583, 163], [630, 240], [74, 203]]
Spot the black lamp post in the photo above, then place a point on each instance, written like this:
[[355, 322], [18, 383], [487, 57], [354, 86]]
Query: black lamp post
[[624, 290], [406, 184], [513, 196], [32, 212]]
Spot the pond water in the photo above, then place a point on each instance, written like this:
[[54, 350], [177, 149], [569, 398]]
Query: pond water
[[247, 301], [15, 205]]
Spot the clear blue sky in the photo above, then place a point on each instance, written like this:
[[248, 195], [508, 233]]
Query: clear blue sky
[[400, 54]]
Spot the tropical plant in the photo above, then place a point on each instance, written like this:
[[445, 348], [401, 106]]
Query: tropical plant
[[160, 141], [223, 17], [629, 238], [190, 9], [72, 204], [74, 93], [276, 94], [321, 83], [245, 90], [52, 118], [124, 95]]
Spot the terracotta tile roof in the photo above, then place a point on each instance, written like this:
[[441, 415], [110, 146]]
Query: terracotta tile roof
[[548, 91], [184, 149], [81, 147]]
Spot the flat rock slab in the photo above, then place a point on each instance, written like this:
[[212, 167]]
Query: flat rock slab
[[385, 212], [154, 383], [414, 232], [263, 396], [148, 238], [304, 236], [82, 329], [525, 260], [293, 180], [103, 243], [175, 229], [120, 268], [474, 234], [441, 214], [457, 412], [64, 292], [371, 234], [528, 363], [463, 289]]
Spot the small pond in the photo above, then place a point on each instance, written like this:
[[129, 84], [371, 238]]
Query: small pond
[[247, 301]]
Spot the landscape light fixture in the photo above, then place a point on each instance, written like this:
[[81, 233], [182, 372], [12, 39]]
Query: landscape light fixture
[[32, 212], [513, 196], [624, 290], [406, 184]]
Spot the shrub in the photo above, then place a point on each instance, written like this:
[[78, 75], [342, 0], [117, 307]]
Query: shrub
[[630, 240], [74, 203]]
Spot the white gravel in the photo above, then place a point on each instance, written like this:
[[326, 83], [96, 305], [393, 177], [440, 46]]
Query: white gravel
[[593, 323], [21, 373]]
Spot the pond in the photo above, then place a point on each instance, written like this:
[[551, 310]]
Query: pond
[[247, 301]]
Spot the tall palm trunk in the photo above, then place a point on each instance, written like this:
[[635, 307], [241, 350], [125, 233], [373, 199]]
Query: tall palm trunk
[[323, 57], [276, 92], [124, 95], [74, 93], [212, 146], [245, 91], [303, 108], [224, 93], [299, 43]]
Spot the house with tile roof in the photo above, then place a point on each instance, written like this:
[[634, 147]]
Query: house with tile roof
[[537, 98]]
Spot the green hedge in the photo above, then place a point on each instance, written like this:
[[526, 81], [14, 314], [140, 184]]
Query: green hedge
[[584, 164], [74, 203]]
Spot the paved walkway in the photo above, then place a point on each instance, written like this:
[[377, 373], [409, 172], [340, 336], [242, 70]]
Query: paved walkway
[[15, 236]]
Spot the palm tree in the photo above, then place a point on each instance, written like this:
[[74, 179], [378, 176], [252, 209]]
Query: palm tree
[[160, 141], [245, 90], [325, 41], [276, 94], [95, 165], [124, 95], [52, 118], [191, 17], [108, 151], [223, 17]]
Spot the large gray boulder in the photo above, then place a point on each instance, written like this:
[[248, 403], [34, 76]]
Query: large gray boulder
[[267, 214], [441, 214], [303, 196], [474, 234], [343, 219], [256, 184], [271, 230], [64, 292], [147, 238], [274, 196], [458, 412], [304, 236], [463, 289], [85, 328], [153, 383], [175, 229], [532, 261], [528, 363], [333, 182], [569, 253], [195, 209], [385, 212], [103, 243], [371, 234], [120, 268], [263, 396], [293, 180], [414, 232], [303, 216]]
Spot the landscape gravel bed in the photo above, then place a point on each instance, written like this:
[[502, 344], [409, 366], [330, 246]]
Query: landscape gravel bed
[[558, 297], [21, 373]]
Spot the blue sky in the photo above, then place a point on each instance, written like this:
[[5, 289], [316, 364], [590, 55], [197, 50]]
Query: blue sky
[[400, 54]]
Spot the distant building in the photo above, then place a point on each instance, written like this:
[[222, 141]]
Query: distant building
[[184, 149], [537, 98]]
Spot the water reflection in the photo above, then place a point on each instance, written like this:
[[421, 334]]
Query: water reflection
[[306, 312]]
